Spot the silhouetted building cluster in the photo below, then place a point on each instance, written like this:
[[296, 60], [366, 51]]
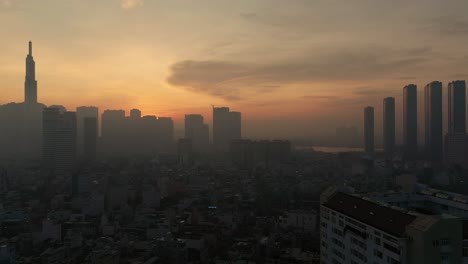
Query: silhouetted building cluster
[[147, 135], [456, 142], [61, 138]]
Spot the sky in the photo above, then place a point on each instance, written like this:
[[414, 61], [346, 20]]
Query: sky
[[294, 68]]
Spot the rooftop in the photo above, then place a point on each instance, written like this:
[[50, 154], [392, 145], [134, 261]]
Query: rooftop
[[381, 217]]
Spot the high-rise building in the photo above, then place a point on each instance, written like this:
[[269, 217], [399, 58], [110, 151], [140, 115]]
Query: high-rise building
[[149, 134], [134, 134], [65, 153], [433, 112], [165, 134], [90, 136], [113, 131], [135, 114], [83, 112], [389, 126], [227, 126], [59, 141], [220, 127], [50, 124], [410, 120], [197, 131], [457, 107], [30, 83], [456, 149], [369, 130], [235, 120]]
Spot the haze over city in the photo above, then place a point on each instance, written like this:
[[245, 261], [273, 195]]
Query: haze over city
[[249, 131], [305, 64]]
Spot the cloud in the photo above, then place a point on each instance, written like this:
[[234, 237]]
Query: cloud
[[448, 26], [368, 91], [129, 4], [234, 80], [6, 2], [320, 97]]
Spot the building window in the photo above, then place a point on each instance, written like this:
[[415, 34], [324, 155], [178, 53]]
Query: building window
[[377, 241], [358, 243], [391, 248], [445, 242], [435, 243], [445, 258], [392, 260], [465, 252], [378, 253]]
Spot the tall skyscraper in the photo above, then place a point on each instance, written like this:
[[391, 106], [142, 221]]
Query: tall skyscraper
[[65, 152], [82, 113], [30, 83], [197, 132], [456, 141], [113, 131], [166, 134], [220, 127], [457, 107], [235, 125], [90, 135], [389, 126], [410, 120], [227, 126], [59, 141], [369, 130], [433, 111], [50, 124]]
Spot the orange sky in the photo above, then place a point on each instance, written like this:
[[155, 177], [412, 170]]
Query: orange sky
[[317, 63]]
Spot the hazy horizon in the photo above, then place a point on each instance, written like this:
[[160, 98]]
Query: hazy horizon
[[296, 69]]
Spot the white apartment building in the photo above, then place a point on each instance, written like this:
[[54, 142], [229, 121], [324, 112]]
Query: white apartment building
[[392, 228]]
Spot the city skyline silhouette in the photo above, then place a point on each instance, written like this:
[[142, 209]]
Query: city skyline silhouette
[[289, 80]]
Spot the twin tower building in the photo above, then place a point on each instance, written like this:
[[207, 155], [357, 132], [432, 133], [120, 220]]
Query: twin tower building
[[455, 139]]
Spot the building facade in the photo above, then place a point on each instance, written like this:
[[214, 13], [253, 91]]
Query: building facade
[[410, 121], [30, 83], [197, 132], [457, 107], [59, 141], [389, 126], [433, 118], [227, 126], [390, 229], [369, 146]]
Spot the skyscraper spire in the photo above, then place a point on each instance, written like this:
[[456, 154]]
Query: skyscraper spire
[[30, 83]]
